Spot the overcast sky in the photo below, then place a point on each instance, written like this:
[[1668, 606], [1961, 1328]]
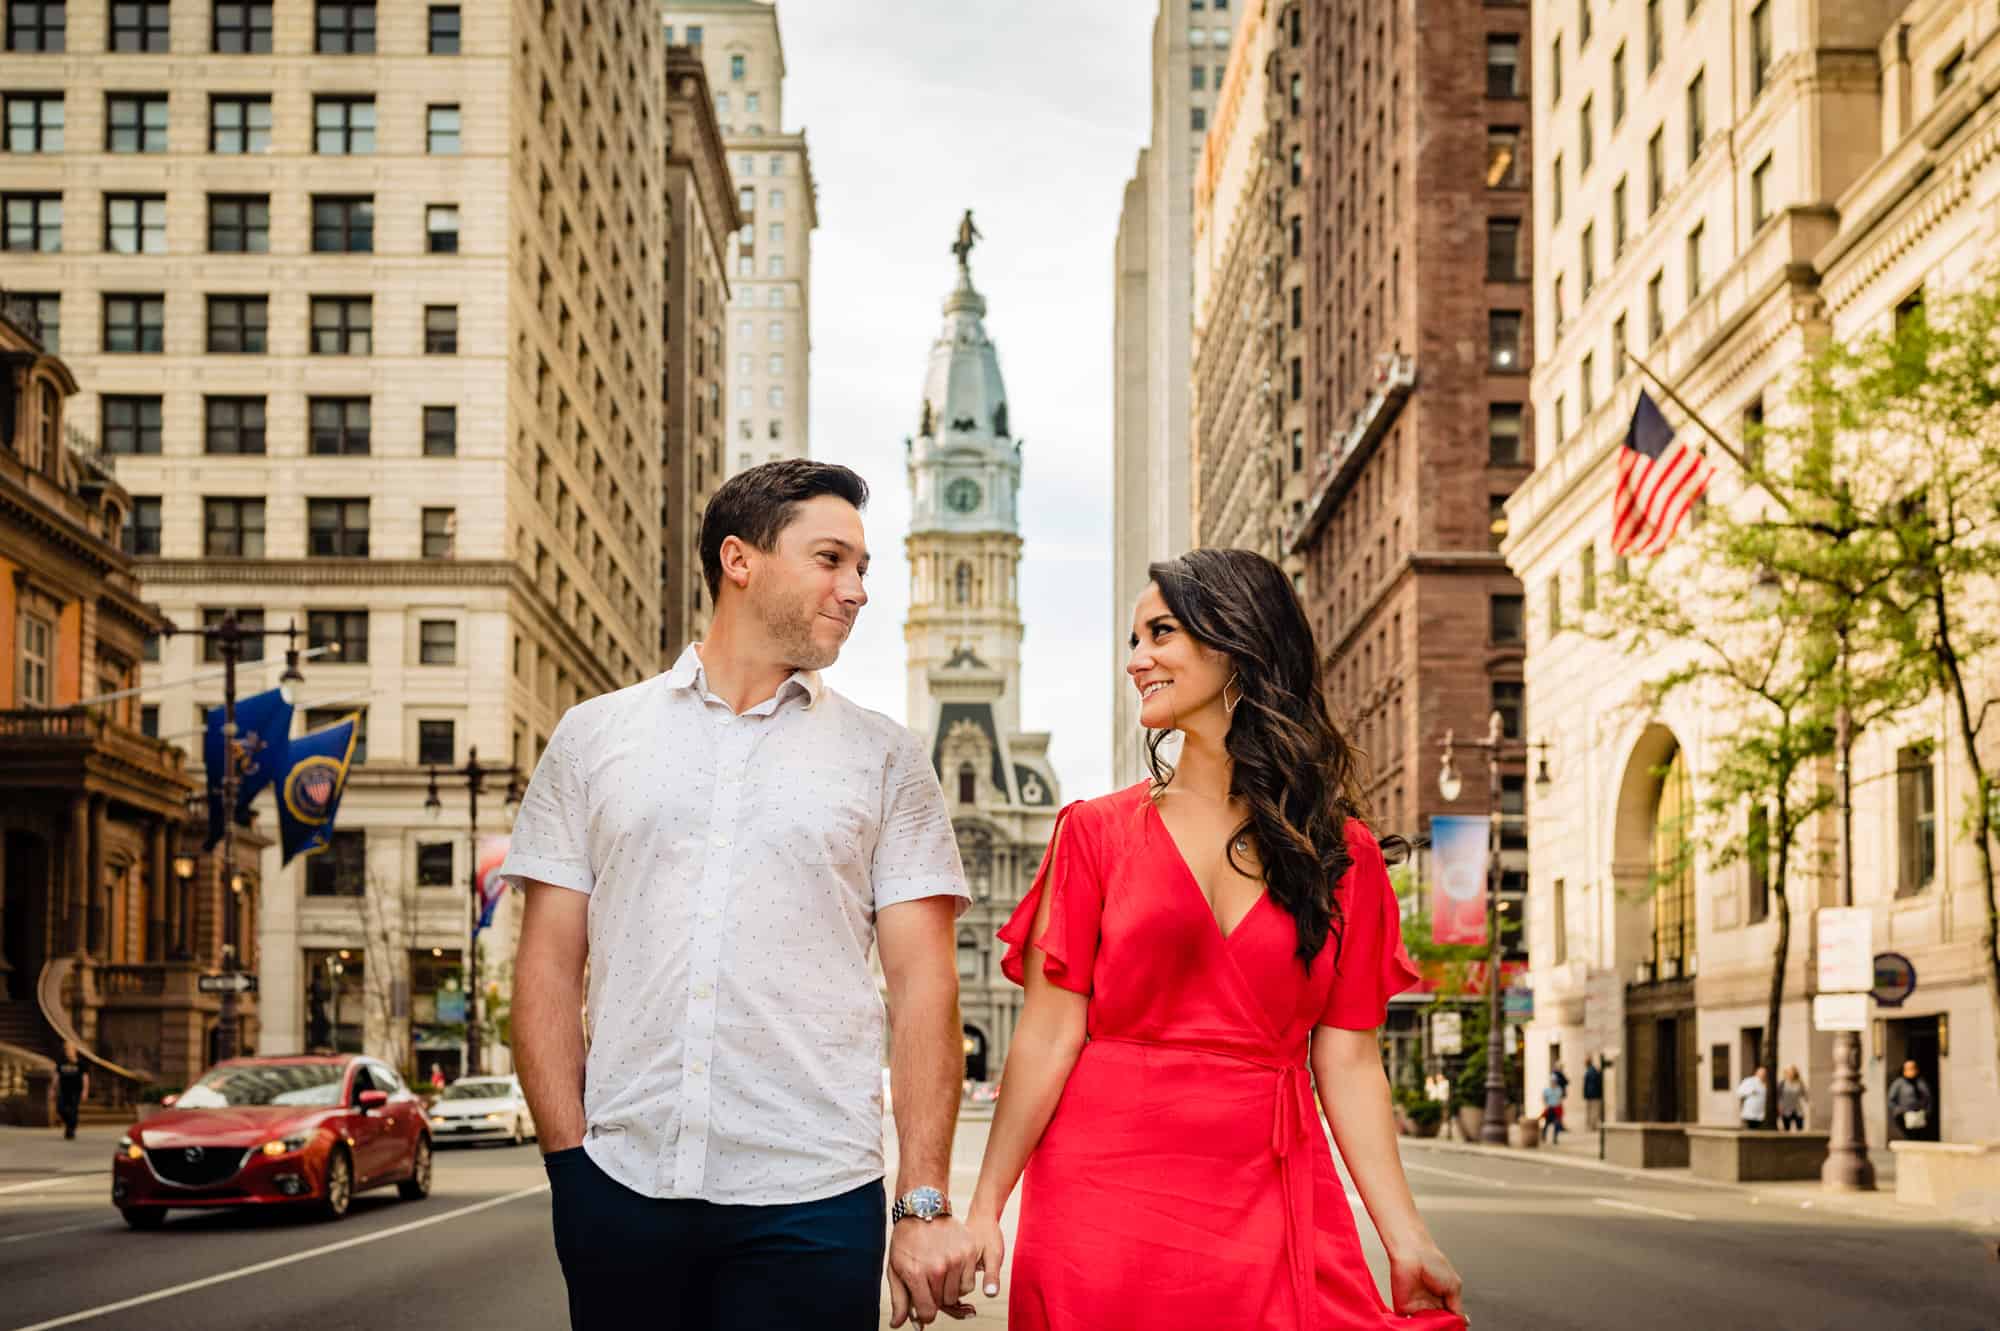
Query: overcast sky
[[915, 111]]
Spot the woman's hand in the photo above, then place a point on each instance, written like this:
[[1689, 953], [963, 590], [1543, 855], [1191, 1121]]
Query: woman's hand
[[985, 1232], [1421, 1278]]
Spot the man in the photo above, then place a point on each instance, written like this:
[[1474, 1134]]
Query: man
[[721, 844], [1910, 1105], [72, 1087], [1752, 1097], [1593, 1094], [1552, 1108]]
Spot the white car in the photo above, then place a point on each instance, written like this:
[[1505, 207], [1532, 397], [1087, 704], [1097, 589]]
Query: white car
[[482, 1109]]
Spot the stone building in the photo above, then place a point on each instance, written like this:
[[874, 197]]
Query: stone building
[[368, 300], [770, 259], [963, 638], [701, 222], [1719, 189]]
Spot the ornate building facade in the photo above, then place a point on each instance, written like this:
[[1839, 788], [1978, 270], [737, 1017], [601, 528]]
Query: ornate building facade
[[963, 644]]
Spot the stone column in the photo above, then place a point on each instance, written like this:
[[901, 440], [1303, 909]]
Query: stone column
[[94, 868], [78, 865], [157, 888]]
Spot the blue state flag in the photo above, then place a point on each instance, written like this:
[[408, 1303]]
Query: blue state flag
[[263, 721], [309, 795]]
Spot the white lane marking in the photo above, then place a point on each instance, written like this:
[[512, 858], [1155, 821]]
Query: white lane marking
[[62, 1181], [49, 1233], [1451, 1173], [260, 1267], [1643, 1210]]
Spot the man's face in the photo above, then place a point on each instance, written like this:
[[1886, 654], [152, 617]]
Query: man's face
[[806, 591], [1910, 1070]]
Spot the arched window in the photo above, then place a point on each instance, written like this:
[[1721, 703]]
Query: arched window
[[1673, 872], [968, 784], [961, 584]]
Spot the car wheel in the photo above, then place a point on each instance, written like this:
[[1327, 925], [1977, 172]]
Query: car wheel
[[144, 1217], [339, 1194], [418, 1185]]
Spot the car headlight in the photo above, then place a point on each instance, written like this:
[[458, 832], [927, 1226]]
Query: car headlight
[[130, 1149], [496, 1118], [287, 1145]]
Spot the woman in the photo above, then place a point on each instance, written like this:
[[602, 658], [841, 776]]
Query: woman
[[1204, 931], [1792, 1101]]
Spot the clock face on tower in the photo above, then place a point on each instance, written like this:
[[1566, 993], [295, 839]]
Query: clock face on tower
[[962, 495]]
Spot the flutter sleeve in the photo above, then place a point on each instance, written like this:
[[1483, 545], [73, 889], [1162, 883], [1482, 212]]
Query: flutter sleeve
[[1372, 966], [1069, 873]]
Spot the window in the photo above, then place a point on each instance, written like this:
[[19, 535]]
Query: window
[[440, 533], [1504, 618], [440, 330], [1618, 219], [1198, 77], [344, 630], [339, 426], [232, 528], [437, 642], [1503, 65], [738, 68], [1584, 26], [1655, 35], [135, 123], [1753, 432], [1503, 435], [345, 27], [341, 870], [135, 223], [38, 654], [141, 532], [1586, 137], [239, 224], [250, 620], [1586, 590], [343, 224], [241, 29], [1618, 86], [239, 125], [1656, 312], [343, 126], [1556, 302], [440, 432], [694, 34], [434, 863], [441, 130], [445, 30], [131, 425], [237, 323], [1694, 261], [1198, 119], [135, 323], [753, 103], [1554, 596], [1510, 700], [1586, 387], [1760, 193], [1496, 521], [1760, 47], [1656, 171], [342, 325], [1503, 158], [35, 123], [233, 424], [138, 25], [337, 528], [1556, 188], [776, 266], [1697, 113], [1504, 262], [1587, 255], [1916, 819], [1561, 418], [34, 222], [45, 309], [35, 25], [1949, 71], [437, 743], [319, 718], [1556, 69], [777, 233], [1503, 340], [1617, 348]]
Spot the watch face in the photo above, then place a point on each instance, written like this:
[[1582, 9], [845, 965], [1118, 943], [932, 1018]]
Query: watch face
[[962, 495], [926, 1203]]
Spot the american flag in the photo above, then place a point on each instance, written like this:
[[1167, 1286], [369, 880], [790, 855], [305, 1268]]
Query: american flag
[[1659, 478]]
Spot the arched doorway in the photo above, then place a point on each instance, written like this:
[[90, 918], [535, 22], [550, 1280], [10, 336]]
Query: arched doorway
[[975, 1054], [1654, 926]]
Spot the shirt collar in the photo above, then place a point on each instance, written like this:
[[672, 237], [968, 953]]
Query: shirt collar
[[689, 673]]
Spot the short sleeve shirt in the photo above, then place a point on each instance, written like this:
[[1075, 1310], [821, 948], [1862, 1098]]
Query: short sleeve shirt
[[735, 866]]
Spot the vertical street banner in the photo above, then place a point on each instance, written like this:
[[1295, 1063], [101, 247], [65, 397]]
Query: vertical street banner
[[1458, 879], [263, 721], [492, 850], [309, 796]]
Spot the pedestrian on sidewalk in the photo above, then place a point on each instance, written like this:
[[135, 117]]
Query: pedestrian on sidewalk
[[720, 848], [72, 1087], [1593, 1094], [1753, 1098], [1226, 936], [1792, 1101], [1910, 1104], [1552, 1108]]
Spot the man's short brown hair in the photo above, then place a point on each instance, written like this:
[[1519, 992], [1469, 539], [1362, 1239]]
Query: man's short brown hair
[[756, 505]]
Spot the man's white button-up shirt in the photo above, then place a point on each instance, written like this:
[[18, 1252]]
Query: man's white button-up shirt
[[735, 866]]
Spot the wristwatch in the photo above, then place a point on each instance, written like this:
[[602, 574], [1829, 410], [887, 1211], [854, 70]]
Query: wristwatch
[[923, 1203]]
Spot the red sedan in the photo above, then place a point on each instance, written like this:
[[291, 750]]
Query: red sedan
[[270, 1131]]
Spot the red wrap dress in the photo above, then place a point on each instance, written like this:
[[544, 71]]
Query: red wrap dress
[[1184, 1180]]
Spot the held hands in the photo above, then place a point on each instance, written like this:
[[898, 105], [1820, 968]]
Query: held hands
[[933, 1266], [1421, 1279]]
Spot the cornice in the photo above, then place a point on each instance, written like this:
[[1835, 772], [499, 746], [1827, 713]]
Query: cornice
[[328, 572]]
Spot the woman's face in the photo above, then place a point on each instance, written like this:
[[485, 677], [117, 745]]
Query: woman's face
[[1178, 679]]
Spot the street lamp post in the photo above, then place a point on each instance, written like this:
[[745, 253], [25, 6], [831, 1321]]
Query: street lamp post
[[229, 637], [1493, 1126], [475, 775], [1847, 1167]]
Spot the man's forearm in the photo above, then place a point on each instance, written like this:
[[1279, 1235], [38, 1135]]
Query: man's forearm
[[548, 1052], [926, 1067]]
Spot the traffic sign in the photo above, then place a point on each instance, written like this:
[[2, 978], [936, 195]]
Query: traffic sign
[[228, 982], [1895, 978], [1846, 950]]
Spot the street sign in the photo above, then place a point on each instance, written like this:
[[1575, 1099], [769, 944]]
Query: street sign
[[1846, 950], [1840, 1012], [1895, 978], [228, 982], [451, 1007], [1448, 1033], [1518, 1004]]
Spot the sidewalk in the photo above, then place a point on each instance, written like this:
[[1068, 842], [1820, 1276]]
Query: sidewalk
[[28, 1152]]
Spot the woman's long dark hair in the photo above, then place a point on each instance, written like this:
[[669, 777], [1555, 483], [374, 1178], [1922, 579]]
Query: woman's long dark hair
[[1291, 764]]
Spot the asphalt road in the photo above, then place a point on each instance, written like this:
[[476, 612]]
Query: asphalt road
[[1542, 1247]]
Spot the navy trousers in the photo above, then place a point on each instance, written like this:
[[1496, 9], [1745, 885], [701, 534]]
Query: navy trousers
[[633, 1261]]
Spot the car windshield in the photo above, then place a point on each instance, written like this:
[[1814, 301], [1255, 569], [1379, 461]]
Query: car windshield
[[478, 1090], [266, 1084]]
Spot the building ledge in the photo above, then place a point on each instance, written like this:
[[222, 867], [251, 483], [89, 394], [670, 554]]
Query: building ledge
[[1339, 462]]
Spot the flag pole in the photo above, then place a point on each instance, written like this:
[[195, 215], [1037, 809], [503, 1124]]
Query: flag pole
[[1692, 414]]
